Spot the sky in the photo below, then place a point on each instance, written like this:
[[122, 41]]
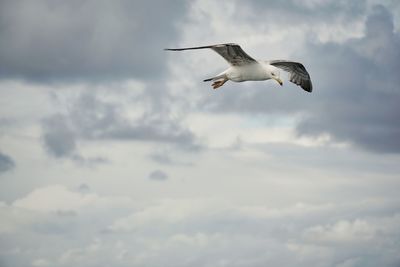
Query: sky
[[114, 152]]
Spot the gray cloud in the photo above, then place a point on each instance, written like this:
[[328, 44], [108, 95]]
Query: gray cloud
[[90, 118], [6, 163], [83, 188], [86, 40], [59, 138], [356, 92], [359, 87], [96, 119], [158, 175]]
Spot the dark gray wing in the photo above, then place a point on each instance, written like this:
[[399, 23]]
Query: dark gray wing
[[232, 53], [298, 73]]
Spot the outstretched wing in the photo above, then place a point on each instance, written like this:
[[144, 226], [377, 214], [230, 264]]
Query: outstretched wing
[[232, 53], [298, 73]]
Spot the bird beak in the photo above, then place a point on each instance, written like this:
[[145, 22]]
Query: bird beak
[[279, 81]]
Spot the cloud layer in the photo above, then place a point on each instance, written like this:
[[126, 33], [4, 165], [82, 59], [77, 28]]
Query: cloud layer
[[85, 40], [115, 153], [359, 95], [193, 232], [89, 117]]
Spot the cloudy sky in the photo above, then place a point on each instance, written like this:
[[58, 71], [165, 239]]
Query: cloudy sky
[[113, 152]]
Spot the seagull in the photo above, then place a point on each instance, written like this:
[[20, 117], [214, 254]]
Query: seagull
[[245, 68]]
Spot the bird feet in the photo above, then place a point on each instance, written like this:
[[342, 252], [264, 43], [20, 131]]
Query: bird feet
[[218, 84]]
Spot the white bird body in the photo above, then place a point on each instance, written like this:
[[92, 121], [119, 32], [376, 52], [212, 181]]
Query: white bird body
[[245, 68], [257, 71]]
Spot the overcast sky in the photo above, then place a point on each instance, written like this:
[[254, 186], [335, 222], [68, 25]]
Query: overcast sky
[[113, 152]]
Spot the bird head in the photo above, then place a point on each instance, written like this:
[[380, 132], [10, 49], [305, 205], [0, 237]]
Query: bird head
[[275, 74]]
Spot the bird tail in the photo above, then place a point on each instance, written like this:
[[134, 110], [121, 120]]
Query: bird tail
[[221, 76]]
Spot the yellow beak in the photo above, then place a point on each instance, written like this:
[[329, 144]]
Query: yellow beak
[[279, 81]]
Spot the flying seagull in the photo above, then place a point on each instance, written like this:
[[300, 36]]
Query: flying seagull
[[245, 68]]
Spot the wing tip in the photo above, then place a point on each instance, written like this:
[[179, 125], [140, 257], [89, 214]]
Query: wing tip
[[201, 47], [307, 87]]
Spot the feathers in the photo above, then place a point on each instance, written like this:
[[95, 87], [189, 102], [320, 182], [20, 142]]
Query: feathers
[[298, 73], [232, 53]]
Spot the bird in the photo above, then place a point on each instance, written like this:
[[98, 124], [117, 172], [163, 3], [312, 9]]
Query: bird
[[245, 68]]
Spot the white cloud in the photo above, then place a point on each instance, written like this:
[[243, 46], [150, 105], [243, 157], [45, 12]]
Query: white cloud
[[343, 231], [192, 232], [298, 209], [224, 130], [41, 262], [167, 211], [55, 198]]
